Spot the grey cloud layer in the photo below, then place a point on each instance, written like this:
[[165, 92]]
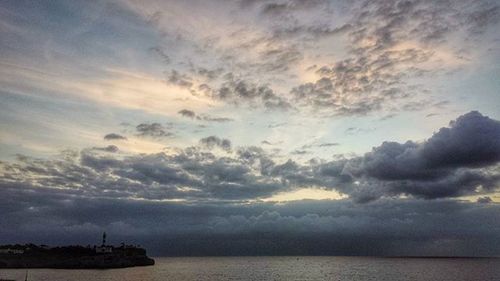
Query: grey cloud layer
[[461, 159], [190, 175], [387, 227]]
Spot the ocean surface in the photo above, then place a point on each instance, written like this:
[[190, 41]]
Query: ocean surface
[[280, 268]]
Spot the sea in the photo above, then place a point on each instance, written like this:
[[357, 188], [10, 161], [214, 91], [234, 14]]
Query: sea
[[281, 268]]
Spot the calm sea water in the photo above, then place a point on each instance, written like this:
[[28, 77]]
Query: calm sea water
[[280, 268]]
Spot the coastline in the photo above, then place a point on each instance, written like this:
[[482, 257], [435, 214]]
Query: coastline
[[72, 257]]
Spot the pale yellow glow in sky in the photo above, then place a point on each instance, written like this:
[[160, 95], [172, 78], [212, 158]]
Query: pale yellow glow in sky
[[306, 193], [495, 197]]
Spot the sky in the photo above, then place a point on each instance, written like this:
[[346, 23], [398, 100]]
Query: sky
[[247, 127]]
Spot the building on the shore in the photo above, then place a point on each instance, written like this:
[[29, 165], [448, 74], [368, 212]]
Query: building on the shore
[[104, 249], [11, 251]]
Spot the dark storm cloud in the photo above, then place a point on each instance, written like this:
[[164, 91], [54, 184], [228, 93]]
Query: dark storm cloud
[[456, 160], [152, 130], [471, 141], [113, 136], [458, 183], [203, 117], [386, 227]]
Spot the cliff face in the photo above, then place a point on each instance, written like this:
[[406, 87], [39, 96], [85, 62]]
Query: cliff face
[[76, 257]]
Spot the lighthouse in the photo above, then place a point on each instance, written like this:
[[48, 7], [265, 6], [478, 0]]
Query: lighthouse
[[103, 249]]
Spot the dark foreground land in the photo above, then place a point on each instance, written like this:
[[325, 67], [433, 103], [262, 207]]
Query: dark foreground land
[[72, 257]]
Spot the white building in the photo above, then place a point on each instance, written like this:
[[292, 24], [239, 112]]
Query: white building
[[11, 251], [104, 249]]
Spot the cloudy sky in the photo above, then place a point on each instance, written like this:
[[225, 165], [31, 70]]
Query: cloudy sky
[[252, 127]]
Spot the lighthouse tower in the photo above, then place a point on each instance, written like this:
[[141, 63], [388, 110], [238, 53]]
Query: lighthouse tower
[[103, 249]]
